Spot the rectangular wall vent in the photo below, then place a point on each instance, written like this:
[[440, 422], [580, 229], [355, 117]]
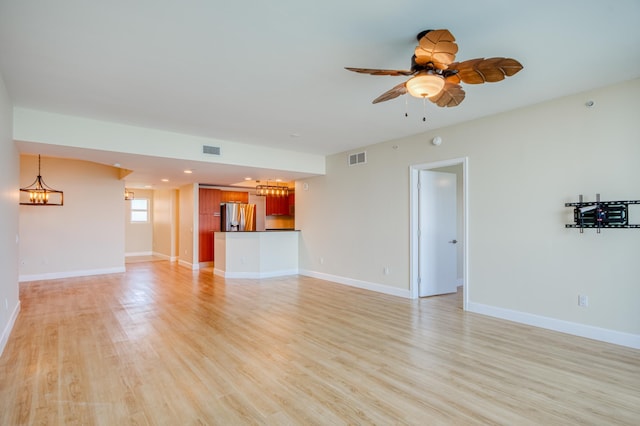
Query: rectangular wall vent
[[357, 158], [213, 150]]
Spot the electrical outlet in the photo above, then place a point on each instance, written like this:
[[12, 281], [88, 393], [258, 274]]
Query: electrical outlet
[[583, 300], [386, 270]]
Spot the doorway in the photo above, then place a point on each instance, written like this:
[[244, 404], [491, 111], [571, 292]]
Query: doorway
[[429, 250]]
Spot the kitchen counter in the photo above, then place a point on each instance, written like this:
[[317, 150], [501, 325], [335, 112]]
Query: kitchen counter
[[256, 254]]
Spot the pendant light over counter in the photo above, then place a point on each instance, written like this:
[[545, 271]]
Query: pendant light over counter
[[40, 194], [276, 190]]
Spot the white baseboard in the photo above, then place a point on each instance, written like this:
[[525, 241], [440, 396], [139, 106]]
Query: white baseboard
[[4, 338], [255, 275], [70, 274], [165, 257], [576, 329], [192, 266], [379, 288], [138, 253]]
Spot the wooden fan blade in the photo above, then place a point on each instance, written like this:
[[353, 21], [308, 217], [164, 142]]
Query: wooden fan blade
[[490, 70], [438, 47], [451, 95], [373, 71], [393, 93]]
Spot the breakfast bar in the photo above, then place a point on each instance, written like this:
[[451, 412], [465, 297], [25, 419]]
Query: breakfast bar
[[256, 254]]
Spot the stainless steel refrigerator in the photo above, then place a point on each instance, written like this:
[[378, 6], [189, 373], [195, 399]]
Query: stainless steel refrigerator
[[237, 217]]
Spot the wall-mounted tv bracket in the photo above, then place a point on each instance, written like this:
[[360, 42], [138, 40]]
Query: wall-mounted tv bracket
[[601, 214]]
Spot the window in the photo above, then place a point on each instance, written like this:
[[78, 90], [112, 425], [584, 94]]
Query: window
[[140, 210]]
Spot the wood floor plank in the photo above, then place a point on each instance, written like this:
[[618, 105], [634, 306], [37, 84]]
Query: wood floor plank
[[164, 345]]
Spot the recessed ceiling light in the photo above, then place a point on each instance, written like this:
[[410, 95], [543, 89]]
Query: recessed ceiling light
[[247, 178], [116, 164], [148, 186], [188, 171], [165, 180]]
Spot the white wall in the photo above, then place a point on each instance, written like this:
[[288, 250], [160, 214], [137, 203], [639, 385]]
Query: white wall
[[523, 166], [9, 168], [64, 130], [139, 235], [85, 236]]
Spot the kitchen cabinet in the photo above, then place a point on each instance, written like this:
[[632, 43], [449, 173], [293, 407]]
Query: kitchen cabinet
[[209, 200], [277, 206], [233, 197], [208, 221]]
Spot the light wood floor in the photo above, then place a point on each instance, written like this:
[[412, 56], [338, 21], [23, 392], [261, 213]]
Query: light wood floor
[[161, 344]]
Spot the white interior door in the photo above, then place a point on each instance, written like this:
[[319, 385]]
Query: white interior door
[[437, 233]]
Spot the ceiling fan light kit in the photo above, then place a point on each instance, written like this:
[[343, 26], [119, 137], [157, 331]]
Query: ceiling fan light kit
[[435, 74], [425, 85]]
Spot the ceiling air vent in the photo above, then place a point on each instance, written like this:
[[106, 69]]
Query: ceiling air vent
[[357, 158], [213, 150]]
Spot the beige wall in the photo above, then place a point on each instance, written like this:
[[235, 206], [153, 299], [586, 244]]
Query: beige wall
[[139, 235], [523, 166], [188, 228], [83, 237], [9, 169], [165, 223]]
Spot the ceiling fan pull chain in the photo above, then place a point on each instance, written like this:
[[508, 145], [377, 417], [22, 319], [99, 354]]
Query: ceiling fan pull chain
[[406, 106], [424, 109]]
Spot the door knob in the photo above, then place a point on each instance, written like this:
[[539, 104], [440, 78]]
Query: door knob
[[453, 241]]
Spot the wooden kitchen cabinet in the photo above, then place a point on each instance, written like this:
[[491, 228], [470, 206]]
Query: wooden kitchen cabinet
[[292, 203], [209, 201], [277, 206], [208, 221], [234, 197]]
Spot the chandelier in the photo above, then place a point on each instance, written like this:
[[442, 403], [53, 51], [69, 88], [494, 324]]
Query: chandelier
[[272, 190], [40, 194]]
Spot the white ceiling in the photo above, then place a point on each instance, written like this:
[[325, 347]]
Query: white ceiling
[[272, 73]]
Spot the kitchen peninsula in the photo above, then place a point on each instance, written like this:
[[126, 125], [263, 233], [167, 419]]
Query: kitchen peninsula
[[256, 254]]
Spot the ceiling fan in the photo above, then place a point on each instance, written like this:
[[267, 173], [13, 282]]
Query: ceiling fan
[[435, 74]]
